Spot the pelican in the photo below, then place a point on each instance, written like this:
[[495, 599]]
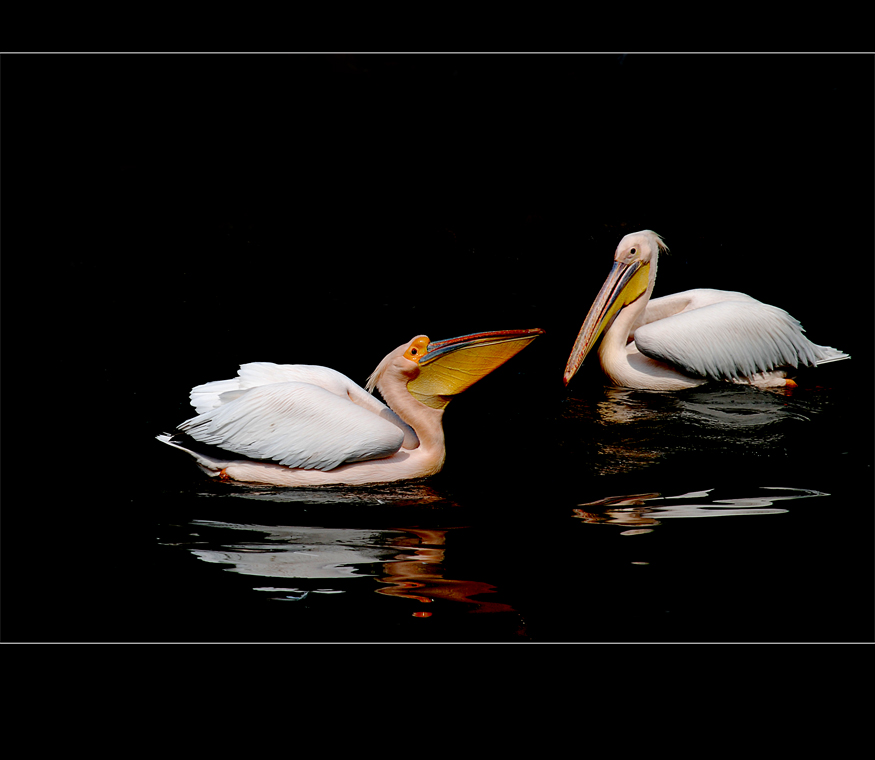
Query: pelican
[[690, 338], [304, 425]]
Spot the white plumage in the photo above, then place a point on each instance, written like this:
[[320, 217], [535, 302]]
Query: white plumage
[[686, 339], [298, 415], [725, 335], [300, 424], [211, 395], [296, 424]]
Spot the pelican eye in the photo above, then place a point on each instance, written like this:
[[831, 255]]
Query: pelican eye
[[418, 349]]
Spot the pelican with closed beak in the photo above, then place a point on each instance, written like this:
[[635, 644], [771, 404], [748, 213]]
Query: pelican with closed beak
[[690, 338], [305, 425]]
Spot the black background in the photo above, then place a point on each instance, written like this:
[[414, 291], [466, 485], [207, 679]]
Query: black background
[[169, 217]]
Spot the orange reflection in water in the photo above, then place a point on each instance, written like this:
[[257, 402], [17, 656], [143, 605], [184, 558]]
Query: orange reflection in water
[[420, 576], [623, 510]]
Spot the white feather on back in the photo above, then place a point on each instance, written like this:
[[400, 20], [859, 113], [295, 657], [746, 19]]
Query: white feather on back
[[212, 395]]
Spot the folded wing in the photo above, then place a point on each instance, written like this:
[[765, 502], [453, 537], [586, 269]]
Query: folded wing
[[730, 340], [214, 394], [296, 424]]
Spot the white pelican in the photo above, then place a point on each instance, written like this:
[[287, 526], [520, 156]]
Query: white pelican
[[686, 339], [303, 425]]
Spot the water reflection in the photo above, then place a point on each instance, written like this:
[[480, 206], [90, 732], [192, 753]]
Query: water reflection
[[420, 575], [398, 495], [407, 563], [293, 552], [620, 430], [650, 509], [719, 405], [410, 562]]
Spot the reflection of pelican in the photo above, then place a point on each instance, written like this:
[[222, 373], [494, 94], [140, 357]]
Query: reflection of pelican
[[688, 338], [639, 510], [408, 563], [312, 425], [421, 575], [298, 552]]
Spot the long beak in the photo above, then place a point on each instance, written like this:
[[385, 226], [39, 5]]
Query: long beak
[[450, 367], [626, 283]]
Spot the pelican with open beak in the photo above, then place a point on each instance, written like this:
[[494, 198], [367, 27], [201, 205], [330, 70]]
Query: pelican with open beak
[[305, 425], [686, 339]]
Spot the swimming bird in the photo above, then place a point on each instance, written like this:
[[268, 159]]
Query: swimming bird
[[689, 338], [305, 425]]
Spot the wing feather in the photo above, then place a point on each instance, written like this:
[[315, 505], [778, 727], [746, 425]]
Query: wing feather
[[214, 394], [729, 340], [298, 425]]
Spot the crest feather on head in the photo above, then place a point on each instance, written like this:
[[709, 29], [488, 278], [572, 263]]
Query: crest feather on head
[[659, 241]]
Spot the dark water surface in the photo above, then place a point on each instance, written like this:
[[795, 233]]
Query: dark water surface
[[167, 218], [602, 538]]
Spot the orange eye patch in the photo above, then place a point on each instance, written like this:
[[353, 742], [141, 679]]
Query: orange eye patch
[[417, 349]]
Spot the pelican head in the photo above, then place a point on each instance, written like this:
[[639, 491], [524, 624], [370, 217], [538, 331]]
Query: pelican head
[[631, 278], [435, 371]]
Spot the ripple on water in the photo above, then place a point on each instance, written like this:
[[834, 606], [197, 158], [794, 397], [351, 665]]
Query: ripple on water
[[650, 509]]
